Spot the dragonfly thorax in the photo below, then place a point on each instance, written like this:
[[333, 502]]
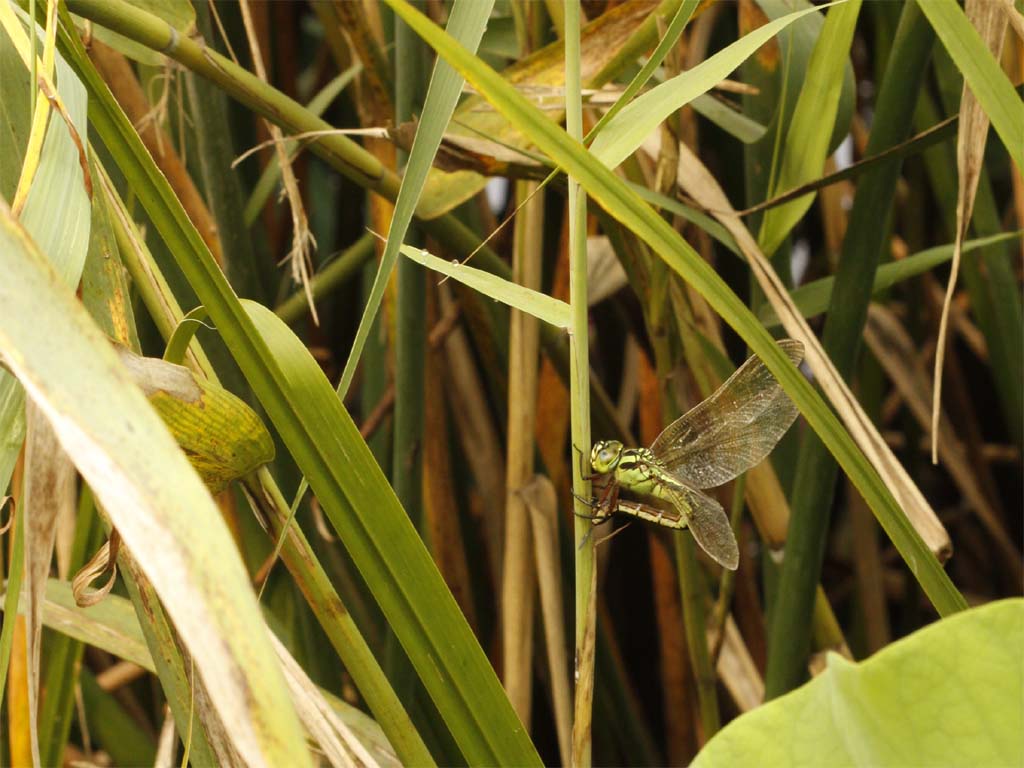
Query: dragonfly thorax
[[605, 456]]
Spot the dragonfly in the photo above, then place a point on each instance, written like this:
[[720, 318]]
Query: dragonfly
[[725, 435]]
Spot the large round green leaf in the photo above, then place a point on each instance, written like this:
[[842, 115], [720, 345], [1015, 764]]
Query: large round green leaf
[[948, 695]]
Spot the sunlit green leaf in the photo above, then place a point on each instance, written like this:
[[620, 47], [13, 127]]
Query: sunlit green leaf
[[949, 694]]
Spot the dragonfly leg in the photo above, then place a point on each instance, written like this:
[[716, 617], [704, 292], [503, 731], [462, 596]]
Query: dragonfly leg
[[600, 514], [613, 534]]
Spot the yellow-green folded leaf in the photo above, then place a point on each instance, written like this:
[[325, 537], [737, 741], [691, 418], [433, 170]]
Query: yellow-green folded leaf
[[223, 437]]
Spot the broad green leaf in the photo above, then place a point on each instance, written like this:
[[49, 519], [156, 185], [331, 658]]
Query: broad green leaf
[[57, 211], [466, 24], [949, 694], [621, 202], [153, 496], [982, 72], [814, 298], [540, 305], [388, 551], [811, 127], [627, 131]]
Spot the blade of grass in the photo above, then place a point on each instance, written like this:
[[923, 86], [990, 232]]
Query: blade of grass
[[543, 307], [467, 22], [970, 162], [296, 552], [627, 130], [403, 577], [990, 277], [49, 479], [56, 211]]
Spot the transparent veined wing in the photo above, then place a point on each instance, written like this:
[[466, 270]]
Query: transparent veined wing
[[731, 431], [700, 513]]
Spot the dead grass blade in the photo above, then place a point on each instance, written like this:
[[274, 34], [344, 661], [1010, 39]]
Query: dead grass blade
[[990, 20], [336, 741], [704, 188], [49, 488], [737, 670], [519, 575]]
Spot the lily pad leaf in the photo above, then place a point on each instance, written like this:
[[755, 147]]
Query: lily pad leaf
[[949, 694]]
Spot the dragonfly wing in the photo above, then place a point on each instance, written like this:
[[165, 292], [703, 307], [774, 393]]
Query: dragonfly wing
[[682, 507], [709, 525], [731, 431]]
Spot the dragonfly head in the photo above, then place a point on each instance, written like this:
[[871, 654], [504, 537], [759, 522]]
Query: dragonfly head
[[605, 456]]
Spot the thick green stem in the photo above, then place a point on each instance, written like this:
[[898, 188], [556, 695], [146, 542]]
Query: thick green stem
[[579, 391]]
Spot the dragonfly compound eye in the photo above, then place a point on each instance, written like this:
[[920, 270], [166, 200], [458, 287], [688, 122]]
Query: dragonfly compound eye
[[605, 455]]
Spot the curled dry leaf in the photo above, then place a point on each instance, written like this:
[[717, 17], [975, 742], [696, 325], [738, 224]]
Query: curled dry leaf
[[104, 561]]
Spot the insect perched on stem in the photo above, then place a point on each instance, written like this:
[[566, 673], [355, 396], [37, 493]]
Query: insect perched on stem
[[722, 437]]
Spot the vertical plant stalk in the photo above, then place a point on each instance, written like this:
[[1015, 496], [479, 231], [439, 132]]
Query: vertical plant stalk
[[410, 346], [542, 501], [518, 573], [789, 634], [691, 587], [579, 394], [727, 583]]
